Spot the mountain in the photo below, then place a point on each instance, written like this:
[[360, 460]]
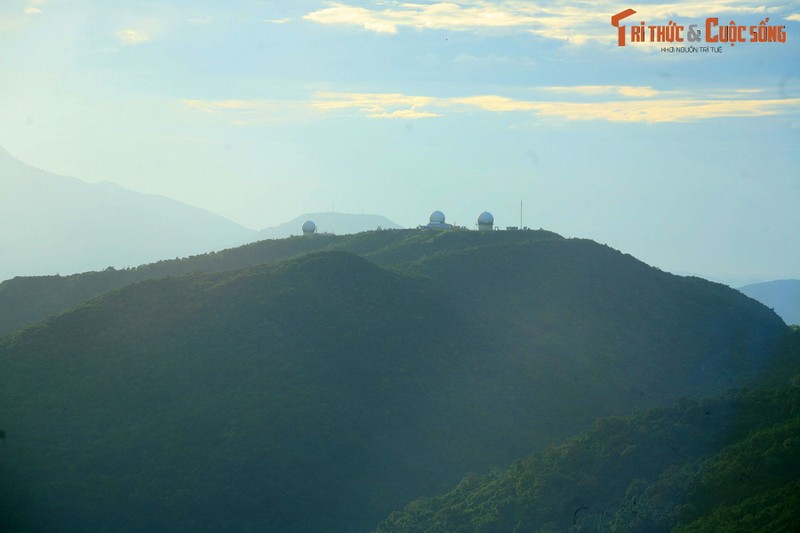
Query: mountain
[[302, 385], [26, 300], [323, 391], [782, 295], [336, 223], [56, 224], [726, 463]]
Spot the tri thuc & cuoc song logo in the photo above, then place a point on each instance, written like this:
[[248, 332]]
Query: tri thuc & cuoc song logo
[[711, 33]]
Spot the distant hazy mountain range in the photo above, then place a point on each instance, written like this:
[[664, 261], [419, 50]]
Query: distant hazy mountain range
[[51, 224], [336, 223], [783, 296], [57, 224]]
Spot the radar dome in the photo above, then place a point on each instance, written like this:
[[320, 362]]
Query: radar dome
[[485, 221], [485, 218], [309, 227], [437, 217]]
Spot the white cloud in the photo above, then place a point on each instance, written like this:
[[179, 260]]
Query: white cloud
[[133, 36], [249, 112], [440, 15], [141, 31], [404, 113], [373, 104], [30, 10], [340, 14], [702, 9], [622, 90], [647, 111], [643, 109], [607, 103], [577, 23]]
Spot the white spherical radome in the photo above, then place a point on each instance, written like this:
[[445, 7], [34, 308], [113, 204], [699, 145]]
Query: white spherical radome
[[437, 217], [485, 218]]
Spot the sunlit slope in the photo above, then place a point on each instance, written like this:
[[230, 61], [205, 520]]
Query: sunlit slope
[[26, 300], [727, 463]]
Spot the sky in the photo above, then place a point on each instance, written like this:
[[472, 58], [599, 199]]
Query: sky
[[260, 111]]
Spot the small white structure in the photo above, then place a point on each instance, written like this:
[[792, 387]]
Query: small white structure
[[309, 228], [437, 221], [485, 221]]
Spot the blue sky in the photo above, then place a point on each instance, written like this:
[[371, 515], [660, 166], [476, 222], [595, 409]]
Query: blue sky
[[264, 110]]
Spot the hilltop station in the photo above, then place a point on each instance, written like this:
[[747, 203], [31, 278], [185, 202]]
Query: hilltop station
[[436, 221]]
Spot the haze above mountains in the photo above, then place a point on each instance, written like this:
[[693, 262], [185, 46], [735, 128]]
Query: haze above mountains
[[61, 225], [55, 224], [783, 296]]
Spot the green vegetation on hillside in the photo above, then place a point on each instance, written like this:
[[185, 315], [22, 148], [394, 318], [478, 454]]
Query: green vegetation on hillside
[[248, 398], [27, 300], [729, 463], [322, 392]]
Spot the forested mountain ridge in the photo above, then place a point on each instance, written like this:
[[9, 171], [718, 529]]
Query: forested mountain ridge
[[322, 392], [26, 300], [599, 302]]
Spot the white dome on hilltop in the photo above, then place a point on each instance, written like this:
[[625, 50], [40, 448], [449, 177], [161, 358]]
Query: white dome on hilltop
[[309, 227], [485, 218], [437, 217]]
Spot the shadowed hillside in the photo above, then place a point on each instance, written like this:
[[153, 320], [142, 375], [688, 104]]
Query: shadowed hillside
[[585, 304], [244, 399], [322, 392]]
